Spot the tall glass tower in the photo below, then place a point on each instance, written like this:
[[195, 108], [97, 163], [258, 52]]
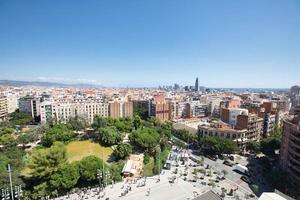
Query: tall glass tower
[[196, 85]]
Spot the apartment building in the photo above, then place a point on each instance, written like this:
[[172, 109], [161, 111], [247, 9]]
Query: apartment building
[[290, 148], [121, 109], [229, 115], [269, 123], [12, 103], [30, 105], [253, 124], [160, 108], [62, 111], [220, 129], [3, 108], [127, 109]]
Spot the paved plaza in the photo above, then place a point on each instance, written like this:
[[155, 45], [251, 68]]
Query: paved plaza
[[178, 183]]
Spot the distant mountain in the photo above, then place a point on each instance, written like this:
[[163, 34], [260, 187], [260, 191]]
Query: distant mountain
[[46, 84]]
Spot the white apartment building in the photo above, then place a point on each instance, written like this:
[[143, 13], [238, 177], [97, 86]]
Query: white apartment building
[[234, 112], [12, 103], [89, 110], [62, 111]]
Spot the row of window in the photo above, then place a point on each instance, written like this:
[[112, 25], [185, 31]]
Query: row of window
[[216, 134]]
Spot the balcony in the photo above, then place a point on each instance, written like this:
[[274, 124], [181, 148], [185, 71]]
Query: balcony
[[294, 151], [295, 136], [295, 144], [295, 167], [295, 159]]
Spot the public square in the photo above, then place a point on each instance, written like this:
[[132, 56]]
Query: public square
[[186, 179]]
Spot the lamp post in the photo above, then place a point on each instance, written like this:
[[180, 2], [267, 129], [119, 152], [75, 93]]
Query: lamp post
[[10, 182], [99, 177], [107, 176], [5, 194], [18, 192]]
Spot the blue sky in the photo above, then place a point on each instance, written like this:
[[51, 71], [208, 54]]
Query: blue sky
[[232, 43]]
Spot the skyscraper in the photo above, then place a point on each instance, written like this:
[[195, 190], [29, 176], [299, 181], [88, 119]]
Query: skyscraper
[[196, 85]]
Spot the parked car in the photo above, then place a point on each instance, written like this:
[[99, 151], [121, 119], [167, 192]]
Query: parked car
[[214, 158], [226, 162], [246, 179], [241, 168]]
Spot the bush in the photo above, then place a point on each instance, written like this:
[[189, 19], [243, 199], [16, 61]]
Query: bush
[[146, 158]]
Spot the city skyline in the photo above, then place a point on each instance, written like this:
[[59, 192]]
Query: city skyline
[[141, 44]]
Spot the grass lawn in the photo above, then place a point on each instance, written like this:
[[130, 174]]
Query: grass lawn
[[79, 149], [148, 168]]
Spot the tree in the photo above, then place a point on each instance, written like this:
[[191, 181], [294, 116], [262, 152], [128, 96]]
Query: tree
[[122, 150], [7, 140], [269, 145], [109, 136], [44, 163], [77, 123], [123, 125], [88, 168], [20, 118], [253, 146], [216, 145], [6, 136], [185, 135], [66, 177], [28, 137], [14, 156], [145, 138], [137, 122], [40, 191], [277, 132], [60, 132], [116, 170]]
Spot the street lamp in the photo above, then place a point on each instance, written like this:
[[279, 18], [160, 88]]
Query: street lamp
[[18, 192], [5, 194], [11, 194], [99, 177], [106, 176]]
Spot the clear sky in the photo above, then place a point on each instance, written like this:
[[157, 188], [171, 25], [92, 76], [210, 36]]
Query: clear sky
[[232, 43]]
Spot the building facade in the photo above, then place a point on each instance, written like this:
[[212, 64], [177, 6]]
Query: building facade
[[160, 108], [253, 124], [3, 108], [290, 148], [222, 130], [30, 105]]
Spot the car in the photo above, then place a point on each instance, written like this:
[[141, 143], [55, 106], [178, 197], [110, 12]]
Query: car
[[193, 180], [226, 162], [231, 158], [214, 158], [246, 179]]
